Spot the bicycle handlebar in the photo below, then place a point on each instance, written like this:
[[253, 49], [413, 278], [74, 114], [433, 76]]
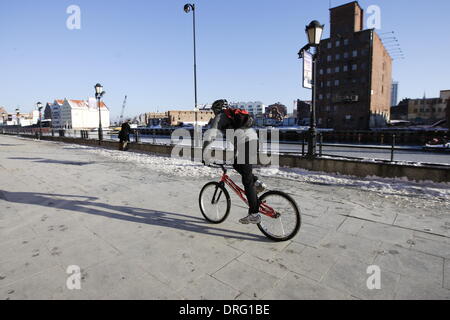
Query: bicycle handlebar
[[218, 165]]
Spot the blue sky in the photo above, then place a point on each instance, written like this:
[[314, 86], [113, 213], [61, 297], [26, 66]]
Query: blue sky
[[247, 50]]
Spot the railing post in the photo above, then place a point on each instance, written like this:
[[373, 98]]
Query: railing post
[[303, 146], [321, 144], [136, 134], [393, 148]]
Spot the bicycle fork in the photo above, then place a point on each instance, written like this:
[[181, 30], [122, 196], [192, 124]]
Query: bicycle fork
[[214, 200]]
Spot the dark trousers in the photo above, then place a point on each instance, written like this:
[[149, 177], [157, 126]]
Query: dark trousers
[[123, 144], [248, 180]]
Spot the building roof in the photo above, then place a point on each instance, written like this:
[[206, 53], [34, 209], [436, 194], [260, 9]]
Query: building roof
[[347, 4], [85, 103]]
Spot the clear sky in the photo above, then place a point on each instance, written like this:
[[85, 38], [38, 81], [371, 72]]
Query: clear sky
[[247, 50]]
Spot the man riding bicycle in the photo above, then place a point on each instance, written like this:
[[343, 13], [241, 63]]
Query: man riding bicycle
[[245, 142]]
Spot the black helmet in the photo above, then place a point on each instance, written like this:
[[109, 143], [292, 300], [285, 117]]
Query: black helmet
[[219, 105]]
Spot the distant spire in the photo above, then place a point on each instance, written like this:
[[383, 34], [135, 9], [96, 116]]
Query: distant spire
[[424, 95]]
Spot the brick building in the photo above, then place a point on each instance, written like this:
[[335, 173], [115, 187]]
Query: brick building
[[303, 112], [276, 111], [400, 111], [176, 118], [448, 115], [429, 111], [354, 74]]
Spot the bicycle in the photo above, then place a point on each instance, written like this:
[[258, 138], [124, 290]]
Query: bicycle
[[275, 223]]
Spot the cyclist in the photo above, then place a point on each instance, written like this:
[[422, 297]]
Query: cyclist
[[244, 137]]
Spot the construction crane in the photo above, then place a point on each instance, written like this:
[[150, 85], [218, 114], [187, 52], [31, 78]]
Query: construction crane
[[123, 110]]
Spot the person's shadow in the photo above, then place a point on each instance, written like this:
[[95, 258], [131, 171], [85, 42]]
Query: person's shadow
[[89, 205]]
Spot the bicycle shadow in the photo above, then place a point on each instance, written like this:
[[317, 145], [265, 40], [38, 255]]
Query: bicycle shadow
[[52, 161], [88, 205]]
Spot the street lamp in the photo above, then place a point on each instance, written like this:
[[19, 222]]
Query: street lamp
[[314, 33], [98, 95], [39, 107], [188, 8]]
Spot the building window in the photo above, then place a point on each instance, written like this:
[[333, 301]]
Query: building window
[[328, 83], [338, 57], [336, 82], [354, 67], [328, 95], [328, 70], [338, 43], [346, 42], [321, 71], [345, 55], [329, 58], [329, 45], [348, 117], [320, 96], [345, 68], [355, 53], [337, 69]]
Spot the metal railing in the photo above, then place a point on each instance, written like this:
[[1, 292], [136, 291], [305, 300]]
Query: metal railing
[[296, 147]]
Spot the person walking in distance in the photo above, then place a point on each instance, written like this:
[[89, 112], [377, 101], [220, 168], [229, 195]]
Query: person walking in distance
[[124, 136]]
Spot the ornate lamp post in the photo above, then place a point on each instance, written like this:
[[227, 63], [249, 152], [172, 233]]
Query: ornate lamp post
[[99, 92], [314, 31]]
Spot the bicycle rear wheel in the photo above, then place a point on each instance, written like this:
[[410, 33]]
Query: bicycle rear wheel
[[215, 202], [287, 224]]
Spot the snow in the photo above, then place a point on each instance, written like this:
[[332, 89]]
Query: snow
[[188, 169]]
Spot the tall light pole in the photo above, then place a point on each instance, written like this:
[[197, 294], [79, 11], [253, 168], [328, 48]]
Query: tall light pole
[[39, 107], [188, 8], [99, 92], [314, 32]]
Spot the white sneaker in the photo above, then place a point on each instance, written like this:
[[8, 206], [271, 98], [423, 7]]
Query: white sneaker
[[260, 187], [251, 219]]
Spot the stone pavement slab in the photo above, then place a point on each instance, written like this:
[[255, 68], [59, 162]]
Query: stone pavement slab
[[136, 233]]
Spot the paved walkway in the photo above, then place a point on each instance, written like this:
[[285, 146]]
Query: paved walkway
[[137, 234]]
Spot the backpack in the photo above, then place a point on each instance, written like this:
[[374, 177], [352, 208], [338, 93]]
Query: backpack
[[240, 118]]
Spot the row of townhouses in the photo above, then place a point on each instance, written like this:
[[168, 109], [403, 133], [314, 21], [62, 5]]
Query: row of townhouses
[[77, 114]]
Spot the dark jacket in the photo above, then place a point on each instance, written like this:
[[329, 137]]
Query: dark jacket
[[125, 132]]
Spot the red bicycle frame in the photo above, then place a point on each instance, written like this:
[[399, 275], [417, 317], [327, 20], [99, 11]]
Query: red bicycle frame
[[263, 209]]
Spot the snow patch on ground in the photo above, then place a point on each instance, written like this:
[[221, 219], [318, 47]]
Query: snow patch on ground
[[188, 169]]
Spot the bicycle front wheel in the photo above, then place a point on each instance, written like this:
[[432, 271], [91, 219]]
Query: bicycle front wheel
[[287, 223], [215, 202]]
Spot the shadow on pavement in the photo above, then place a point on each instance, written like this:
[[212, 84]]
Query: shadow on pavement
[[42, 160], [88, 205]]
